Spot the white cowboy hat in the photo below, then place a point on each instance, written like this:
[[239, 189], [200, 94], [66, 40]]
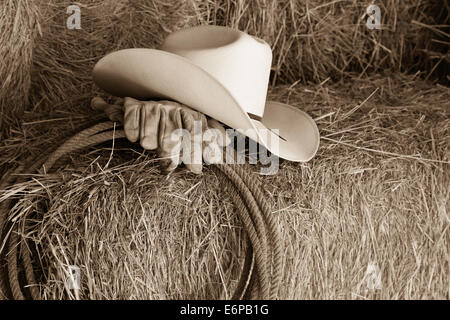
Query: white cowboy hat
[[221, 72]]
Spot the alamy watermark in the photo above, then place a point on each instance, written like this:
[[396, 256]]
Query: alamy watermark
[[213, 147], [73, 280], [374, 17], [74, 20], [373, 277], [373, 20]]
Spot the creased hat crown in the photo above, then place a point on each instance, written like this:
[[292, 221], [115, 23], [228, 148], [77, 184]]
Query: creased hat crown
[[240, 62]]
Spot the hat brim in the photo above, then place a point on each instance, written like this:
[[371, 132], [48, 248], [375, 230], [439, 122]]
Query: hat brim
[[149, 73]]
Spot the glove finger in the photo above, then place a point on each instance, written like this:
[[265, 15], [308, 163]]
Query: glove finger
[[170, 138], [195, 163], [118, 100], [131, 121], [195, 167], [168, 165], [150, 122], [195, 123], [98, 103], [223, 139]]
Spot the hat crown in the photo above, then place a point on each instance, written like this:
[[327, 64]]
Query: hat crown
[[240, 62]]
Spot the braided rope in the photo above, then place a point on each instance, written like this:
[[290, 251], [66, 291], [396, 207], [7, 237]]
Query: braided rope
[[263, 253], [260, 246], [273, 230], [245, 217]]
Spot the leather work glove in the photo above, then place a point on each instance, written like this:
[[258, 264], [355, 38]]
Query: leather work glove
[[177, 132]]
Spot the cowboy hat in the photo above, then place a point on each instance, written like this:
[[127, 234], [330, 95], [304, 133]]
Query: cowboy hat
[[221, 72]]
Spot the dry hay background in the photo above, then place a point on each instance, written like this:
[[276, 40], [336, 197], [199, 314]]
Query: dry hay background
[[375, 193]]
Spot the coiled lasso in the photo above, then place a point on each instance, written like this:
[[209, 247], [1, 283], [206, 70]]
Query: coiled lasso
[[261, 273]]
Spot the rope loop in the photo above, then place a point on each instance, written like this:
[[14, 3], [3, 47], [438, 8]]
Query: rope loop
[[260, 276]]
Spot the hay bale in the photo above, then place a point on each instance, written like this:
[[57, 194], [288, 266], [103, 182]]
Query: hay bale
[[376, 193], [355, 203], [136, 236], [320, 39], [63, 58], [19, 25], [311, 41]]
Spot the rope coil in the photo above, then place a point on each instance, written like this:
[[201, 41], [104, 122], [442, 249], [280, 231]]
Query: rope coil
[[261, 273]]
